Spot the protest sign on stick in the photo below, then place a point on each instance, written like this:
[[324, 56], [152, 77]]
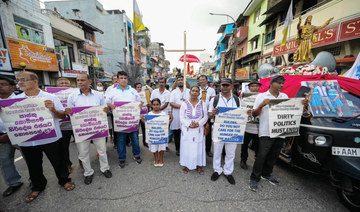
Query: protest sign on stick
[[284, 117], [144, 109], [27, 120], [157, 129], [89, 123], [126, 116], [230, 125]]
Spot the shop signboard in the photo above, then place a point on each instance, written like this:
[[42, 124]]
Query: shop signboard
[[242, 73], [77, 69], [36, 57], [4, 60], [350, 29]]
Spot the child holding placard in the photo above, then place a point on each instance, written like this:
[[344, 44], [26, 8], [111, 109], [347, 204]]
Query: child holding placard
[[157, 149]]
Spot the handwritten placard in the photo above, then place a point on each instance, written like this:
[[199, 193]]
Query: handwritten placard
[[126, 116], [89, 123], [284, 117], [27, 119], [230, 125], [157, 129]]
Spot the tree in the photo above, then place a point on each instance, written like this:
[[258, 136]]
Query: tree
[[134, 72]]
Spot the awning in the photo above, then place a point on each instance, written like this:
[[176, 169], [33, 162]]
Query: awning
[[88, 25], [280, 7]]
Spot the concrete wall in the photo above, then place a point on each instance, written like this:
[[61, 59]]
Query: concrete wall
[[254, 29], [113, 39]]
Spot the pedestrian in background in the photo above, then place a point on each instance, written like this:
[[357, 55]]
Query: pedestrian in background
[[177, 97], [66, 129], [251, 130]]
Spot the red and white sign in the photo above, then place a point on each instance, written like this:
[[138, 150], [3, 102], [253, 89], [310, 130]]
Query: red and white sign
[[158, 74], [77, 69], [4, 60], [350, 29]]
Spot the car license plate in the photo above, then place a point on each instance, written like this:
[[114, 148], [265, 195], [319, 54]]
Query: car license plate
[[346, 151]]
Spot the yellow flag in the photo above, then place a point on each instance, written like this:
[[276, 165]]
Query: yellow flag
[[138, 24], [287, 23]]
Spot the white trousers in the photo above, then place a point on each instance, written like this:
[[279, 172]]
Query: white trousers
[[84, 155], [230, 150]]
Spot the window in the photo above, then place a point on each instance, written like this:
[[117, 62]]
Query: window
[[88, 35], [29, 31], [271, 30], [257, 15], [64, 54], [254, 44], [240, 52]]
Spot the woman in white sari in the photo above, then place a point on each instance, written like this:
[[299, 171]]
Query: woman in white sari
[[193, 117]]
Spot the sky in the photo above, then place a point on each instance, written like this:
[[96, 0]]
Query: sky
[[168, 19]]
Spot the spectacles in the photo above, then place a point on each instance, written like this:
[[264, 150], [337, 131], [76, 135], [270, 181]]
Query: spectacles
[[23, 80]]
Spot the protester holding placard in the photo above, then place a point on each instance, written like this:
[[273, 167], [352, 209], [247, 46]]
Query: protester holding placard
[[224, 99], [193, 117], [66, 129], [9, 173], [251, 130], [88, 97], [33, 150], [206, 94], [124, 93], [164, 95], [177, 97], [269, 148], [157, 149], [144, 110]]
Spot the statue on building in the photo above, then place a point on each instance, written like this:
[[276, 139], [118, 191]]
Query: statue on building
[[305, 38]]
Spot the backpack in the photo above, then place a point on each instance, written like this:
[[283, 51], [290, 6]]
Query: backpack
[[217, 97]]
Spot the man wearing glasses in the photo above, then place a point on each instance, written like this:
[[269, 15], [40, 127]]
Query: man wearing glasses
[[33, 151]]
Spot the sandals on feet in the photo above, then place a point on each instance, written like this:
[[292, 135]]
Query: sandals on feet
[[32, 196], [69, 186], [185, 170], [200, 171]]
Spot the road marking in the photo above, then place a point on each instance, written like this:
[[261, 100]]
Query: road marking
[[19, 158]]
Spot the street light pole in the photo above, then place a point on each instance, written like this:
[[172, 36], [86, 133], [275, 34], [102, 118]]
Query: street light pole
[[223, 15]]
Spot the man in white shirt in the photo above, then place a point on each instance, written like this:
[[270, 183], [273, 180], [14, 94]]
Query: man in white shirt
[[9, 173], [124, 93], [114, 83], [251, 130], [66, 128], [177, 97], [224, 99], [162, 94], [88, 97], [33, 151], [206, 94], [269, 148]]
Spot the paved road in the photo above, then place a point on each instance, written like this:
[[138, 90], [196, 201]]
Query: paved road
[[146, 188]]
